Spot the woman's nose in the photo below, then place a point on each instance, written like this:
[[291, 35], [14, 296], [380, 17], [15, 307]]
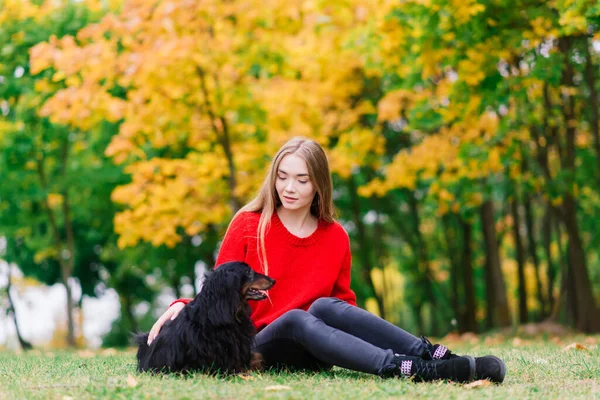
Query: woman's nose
[[290, 186]]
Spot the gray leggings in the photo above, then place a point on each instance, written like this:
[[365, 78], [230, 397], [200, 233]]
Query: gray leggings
[[332, 332]]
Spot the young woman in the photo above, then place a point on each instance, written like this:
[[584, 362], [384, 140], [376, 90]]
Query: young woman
[[311, 321]]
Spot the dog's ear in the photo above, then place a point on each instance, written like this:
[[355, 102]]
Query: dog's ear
[[224, 298]]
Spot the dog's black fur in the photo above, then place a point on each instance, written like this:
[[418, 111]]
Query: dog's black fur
[[213, 333]]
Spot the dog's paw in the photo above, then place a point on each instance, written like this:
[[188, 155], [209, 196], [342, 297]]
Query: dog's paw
[[256, 362]]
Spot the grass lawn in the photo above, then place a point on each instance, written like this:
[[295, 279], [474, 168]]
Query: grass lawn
[[537, 368]]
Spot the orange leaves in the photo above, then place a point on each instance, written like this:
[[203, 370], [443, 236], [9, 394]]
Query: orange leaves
[[83, 107]]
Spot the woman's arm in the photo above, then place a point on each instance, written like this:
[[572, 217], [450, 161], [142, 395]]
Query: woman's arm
[[342, 290]]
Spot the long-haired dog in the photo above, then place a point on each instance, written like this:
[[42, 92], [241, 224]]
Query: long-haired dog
[[213, 333]]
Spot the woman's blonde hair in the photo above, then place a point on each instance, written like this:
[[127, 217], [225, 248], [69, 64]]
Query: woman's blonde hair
[[267, 200]]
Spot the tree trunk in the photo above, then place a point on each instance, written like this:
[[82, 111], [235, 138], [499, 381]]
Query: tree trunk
[[563, 263], [67, 256], [221, 130], [550, 269], [426, 278], [379, 252], [590, 81], [129, 314], [365, 250], [450, 235], [65, 275], [496, 289], [520, 253], [470, 321], [531, 243], [66, 249], [417, 311], [25, 345], [587, 315]]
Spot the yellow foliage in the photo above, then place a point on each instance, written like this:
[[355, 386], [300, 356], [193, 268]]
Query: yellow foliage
[[187, 69], [573, 21], [165, 194], [355, 149]]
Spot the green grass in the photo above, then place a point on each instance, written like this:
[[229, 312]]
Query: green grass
[[537, 369]]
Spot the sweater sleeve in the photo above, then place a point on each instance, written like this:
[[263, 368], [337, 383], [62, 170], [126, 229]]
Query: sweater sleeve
[[235, 243], [184, 301], [342, 290]]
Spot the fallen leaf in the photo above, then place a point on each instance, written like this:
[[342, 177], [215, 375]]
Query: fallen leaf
[[131, 381], [246, 377], [518, 342], [276, 388], [575, 346], [479, 384]]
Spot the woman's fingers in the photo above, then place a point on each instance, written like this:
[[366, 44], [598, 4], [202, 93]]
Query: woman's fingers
[[177, 307], [171, 313]]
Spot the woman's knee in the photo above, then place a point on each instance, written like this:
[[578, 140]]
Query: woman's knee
[[324, 306], [294, 320]]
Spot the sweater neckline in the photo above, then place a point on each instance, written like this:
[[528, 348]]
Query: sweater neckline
[[311, 239]]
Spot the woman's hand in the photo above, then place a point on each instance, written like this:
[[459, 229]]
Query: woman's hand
[[170, 314]]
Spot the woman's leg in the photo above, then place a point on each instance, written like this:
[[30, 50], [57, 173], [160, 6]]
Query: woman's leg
[[366, 326], [285, 341], [377, 331], [281, 342]]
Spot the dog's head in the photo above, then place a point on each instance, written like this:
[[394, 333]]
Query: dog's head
[[227, 289], [239, 276]]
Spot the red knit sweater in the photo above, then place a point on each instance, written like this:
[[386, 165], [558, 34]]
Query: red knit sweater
[[304, 269]]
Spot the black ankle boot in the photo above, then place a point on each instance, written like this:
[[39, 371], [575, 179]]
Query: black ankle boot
[[487, 367], [458, 369]]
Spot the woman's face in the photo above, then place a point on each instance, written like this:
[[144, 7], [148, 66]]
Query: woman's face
[[293, 184]]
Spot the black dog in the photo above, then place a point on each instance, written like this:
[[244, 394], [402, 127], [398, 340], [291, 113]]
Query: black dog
[[213, 333]]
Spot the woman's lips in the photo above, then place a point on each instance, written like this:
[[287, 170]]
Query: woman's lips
[[289, 198]]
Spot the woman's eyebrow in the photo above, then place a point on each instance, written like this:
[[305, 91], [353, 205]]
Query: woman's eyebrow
[[283, 172]]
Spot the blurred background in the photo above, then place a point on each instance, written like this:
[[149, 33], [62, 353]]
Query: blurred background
[[463, 136]]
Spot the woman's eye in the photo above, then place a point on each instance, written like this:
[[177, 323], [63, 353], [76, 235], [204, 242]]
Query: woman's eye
[[303, 182]]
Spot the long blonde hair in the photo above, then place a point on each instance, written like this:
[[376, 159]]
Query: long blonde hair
[[267, 200]]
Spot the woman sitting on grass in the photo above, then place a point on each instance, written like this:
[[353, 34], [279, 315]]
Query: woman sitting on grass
[[312, 321]]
